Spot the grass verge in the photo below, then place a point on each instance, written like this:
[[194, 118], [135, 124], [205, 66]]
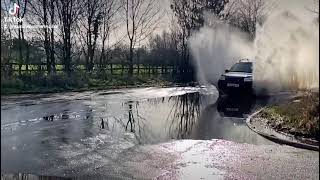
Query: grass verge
[[299, 117], [80, 81]]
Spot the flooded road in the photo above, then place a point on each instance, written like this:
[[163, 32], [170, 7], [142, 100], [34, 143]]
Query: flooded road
[[69, 134]]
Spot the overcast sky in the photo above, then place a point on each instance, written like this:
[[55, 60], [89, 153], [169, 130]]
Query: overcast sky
[[298, 7]]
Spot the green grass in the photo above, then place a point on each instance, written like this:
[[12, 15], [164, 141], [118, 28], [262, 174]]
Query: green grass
[[299, 117], [42, 83]]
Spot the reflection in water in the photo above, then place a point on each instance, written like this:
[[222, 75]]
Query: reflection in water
[[22, 176], [162, 119], [183, 115], [131, 118], [131, 122], [30, 137], [226, 120], [64, 115], [48, 118], [235, 106], [188, 116], [191, 116], [102, 123]]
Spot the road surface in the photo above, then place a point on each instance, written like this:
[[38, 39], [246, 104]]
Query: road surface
[[164, 133]]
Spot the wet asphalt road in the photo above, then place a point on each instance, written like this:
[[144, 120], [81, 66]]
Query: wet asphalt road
[[123, 133]]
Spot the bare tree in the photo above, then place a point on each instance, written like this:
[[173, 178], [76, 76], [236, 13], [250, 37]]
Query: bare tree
[[163, 50], [182, 10], [110, 9], [68, 12], [90, 22], [141, 18], [52, 41], [21, 34], [6, 42], [190, 17], [247, 14], [43, 12]]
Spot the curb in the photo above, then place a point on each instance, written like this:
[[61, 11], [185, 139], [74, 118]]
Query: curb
[[276, 139]]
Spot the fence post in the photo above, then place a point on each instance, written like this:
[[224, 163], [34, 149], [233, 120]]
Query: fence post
[[20, 69], [39, 68]]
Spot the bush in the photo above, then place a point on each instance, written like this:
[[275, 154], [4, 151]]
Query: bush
[[42, 82], [12, 83]]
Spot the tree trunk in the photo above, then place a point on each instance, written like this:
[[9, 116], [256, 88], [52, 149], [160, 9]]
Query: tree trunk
[[67, 50], [138, 62], [46, 37], [20, 48], [68, 58], [131, 58], [101, 63], [52, 59], [27, 57], [106, 59], [20, 69], [87, 62], [67, 20], [104, 38], [21, 36]]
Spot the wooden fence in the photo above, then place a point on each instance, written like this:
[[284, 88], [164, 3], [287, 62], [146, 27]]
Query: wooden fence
[[110, 68]]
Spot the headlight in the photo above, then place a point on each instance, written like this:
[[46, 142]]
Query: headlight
[[248, 79], [222, 78]]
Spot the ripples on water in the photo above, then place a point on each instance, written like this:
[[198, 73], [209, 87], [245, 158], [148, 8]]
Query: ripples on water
[[149, 115], [52, 133]]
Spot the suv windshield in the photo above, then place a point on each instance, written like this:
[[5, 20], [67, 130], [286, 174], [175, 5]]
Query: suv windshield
[[242, 67]]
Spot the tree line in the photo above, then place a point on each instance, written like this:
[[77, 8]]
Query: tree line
[[98, 33]]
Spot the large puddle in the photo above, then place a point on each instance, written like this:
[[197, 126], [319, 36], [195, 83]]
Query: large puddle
[[46, 130]]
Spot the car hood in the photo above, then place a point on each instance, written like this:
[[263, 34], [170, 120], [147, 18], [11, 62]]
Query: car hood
[[238, 74]]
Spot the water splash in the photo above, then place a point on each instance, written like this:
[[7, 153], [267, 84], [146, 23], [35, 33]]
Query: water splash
[[285, 50], [286, 53], [215, 47]]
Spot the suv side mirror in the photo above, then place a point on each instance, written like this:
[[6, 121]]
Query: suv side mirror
[[226, 70]]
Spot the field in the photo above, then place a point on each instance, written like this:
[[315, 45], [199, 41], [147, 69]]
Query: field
[[36, 78]]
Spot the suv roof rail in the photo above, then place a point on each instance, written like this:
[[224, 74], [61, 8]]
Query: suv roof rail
[[245, 59]]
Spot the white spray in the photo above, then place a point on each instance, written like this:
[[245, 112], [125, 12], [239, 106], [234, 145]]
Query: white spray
[[216, 47], [285, 51]]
